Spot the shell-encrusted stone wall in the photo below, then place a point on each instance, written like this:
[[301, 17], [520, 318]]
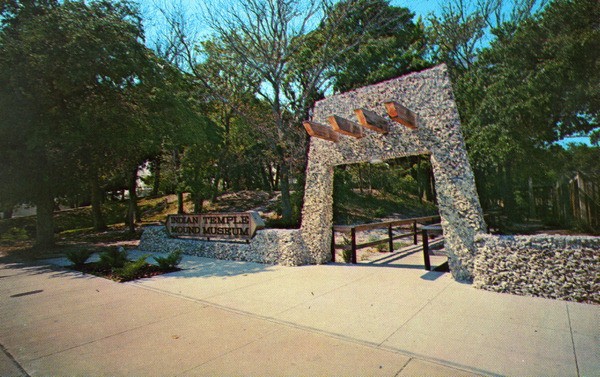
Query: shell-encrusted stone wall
[[429, 95], [270, 246], [559, 267]]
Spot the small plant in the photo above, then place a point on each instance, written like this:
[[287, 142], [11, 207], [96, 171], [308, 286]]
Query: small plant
[[79, 257], [132, 270], [347, 250], [169, 262], [380, 247], [113, 258], [400, 245]]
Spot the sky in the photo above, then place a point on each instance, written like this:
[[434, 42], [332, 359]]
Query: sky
[[419, 7]]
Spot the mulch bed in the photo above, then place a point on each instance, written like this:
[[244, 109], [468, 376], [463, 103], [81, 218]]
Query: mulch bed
[[148, 271]]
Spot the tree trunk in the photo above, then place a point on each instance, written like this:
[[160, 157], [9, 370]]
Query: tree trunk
[[180, 208], [215, 187], [264, 178], [286, 202], [8, 213], [156, 171], [132, 208], [97, 216], [509, 194], [44, 225], [532, 209], [431, 189], [360, 179], [198, 199]]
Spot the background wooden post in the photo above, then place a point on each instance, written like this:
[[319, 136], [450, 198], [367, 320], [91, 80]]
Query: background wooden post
[[426, 250], [332, 244], [353, 233], [414, 229]]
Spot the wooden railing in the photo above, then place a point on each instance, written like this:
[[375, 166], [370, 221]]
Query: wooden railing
[[406, 224]]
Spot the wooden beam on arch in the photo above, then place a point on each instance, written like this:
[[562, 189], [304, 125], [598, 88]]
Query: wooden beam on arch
[[320, 131], [345, 126], [372, 121], [401, 114]]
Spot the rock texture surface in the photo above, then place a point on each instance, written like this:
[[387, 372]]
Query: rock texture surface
[[559, 267], [429, 95], [270, 246]]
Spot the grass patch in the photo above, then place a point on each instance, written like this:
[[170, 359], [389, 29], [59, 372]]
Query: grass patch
[[354, 207]]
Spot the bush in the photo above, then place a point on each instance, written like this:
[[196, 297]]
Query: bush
[[380, 247], [347, 255], [132, 270], [79, 257], [169, 262], [14, 234], [383, 247], [113, 258], [347, 251]]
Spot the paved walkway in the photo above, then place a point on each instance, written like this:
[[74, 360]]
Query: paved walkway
[[234, 318]]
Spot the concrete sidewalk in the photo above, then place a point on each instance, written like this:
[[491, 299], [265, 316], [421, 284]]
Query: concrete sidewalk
[[234, 318]]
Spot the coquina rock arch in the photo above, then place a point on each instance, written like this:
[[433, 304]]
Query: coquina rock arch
[[428, 94], [436, 132]]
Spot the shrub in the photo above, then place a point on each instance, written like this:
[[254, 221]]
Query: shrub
[[113, 258], [347, 255], [169, 262], [79, 257], [14, 234], [347, 251], [132, 270], [380, 247]]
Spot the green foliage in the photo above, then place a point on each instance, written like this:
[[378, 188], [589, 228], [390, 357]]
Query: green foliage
[[400, 244], [347, 251], [535, 83], [79, 257], [68, 126], [365, 192], [14, 234], [113, 259], [381, 247], [133, 269], [169, 262], [392, 44]]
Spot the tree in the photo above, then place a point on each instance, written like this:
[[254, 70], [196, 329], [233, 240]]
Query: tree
[[534, 85], [466, 26], [391, 47], [274, 39], [75, 98]]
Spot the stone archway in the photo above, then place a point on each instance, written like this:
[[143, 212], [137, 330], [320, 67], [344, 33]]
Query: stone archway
[[428, 94], [435, 131]]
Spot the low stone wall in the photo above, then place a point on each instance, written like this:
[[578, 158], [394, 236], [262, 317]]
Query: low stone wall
[[269, 246], [559, 267]]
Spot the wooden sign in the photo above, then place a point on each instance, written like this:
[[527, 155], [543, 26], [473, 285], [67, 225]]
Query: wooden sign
[[233, 225]]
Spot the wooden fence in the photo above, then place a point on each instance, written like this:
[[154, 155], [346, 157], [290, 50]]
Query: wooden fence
[[408, 225]]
